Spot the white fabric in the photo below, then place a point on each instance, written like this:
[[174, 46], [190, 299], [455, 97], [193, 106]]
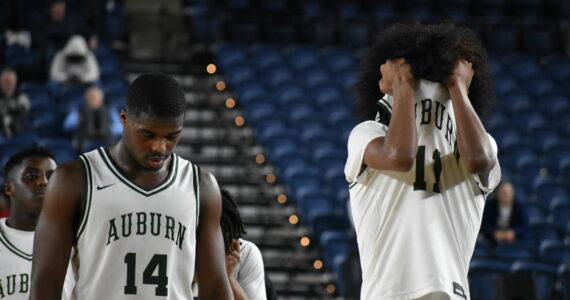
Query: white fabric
[[86, 72], [249, 272], [15, 262], [504, 215], [163, 231], [415, 242]]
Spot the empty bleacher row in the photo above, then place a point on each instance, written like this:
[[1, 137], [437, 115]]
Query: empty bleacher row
[[533, 26]]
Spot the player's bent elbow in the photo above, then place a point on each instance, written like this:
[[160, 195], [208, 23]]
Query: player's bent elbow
[[479, 163], [400, 161]]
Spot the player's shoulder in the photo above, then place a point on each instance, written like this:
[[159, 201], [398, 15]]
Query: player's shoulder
[[248, 248]]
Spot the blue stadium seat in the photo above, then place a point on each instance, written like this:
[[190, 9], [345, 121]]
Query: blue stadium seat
[[554, 104], [279, 77], [559, 71], [542, 87], [316, 79], [544, 276], [538, 41], [329, 98], [525, 70], [540, 231], [304, 62], [289, 96], [301, 113], [560, 212], [528, 166], [483, 249], [482, 275], [318, 212], [506, 85], [510, 252], [334, 242], [501, 40], [564, 278], [554, 252], [94, 144]]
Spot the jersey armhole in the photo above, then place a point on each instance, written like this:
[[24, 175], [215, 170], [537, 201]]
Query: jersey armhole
[[85, 199], [196, 174]]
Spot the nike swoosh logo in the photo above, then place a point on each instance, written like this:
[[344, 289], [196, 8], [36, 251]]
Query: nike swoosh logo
[[104, 187]]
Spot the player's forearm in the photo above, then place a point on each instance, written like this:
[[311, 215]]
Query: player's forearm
[[219, 292], [472, 139], [237, 290], [401, 141]]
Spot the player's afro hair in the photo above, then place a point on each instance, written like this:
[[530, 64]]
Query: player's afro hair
[[156, 95], [432, 51], [17, 158], [231, 222]]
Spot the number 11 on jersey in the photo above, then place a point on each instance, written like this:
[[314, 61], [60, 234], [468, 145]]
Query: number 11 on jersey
[[420, 182]]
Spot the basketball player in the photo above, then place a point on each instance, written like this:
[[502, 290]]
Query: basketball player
[[26, 176], [420, 171], [139, 217], [244, 263]]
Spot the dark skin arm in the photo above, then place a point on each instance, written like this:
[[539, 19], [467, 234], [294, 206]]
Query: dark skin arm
[[210, 255], [55, 231], [397, 150], [474, 144]]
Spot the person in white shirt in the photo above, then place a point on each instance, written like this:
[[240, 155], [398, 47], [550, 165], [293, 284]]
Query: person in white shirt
[[244, 263], [75, 64], [421, 164], [27, 173]]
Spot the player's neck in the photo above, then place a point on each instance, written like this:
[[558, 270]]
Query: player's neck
[[20, 221], [132, 170]]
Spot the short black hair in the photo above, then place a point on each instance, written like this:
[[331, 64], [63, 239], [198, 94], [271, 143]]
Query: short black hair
[[231, 222], [16, 159], [156, 95], [432, 51]]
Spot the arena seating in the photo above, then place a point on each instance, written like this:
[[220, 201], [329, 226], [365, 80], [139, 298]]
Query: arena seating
[[291, 65]]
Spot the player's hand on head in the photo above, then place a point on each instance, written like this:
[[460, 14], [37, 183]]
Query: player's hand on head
[[233, 257], [462, 74], [403, 75]]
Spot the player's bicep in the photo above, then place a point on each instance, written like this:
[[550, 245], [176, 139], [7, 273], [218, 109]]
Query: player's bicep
[[210, 262], [374, 154], [55, 230]]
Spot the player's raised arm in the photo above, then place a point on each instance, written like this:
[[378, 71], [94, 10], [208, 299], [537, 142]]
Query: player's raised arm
[[55, 231], [397, 150], [472, 139], [210, 258]]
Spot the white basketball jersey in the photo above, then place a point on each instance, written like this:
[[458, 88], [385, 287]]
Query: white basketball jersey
[[134, 243], [15, 262], [416, 230]]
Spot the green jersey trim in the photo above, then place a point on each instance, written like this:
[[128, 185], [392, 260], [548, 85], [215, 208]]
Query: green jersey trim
[[164, 185], [87, 193], [4, 240], [197, 174]]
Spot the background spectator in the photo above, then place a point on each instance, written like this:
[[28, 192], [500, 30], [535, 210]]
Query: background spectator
[[57, 28], [93, 121], [14, 106], [75, 64], [504, 218]]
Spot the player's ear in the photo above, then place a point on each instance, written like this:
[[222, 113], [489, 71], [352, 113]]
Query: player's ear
[[123, 116], [9, 189]]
